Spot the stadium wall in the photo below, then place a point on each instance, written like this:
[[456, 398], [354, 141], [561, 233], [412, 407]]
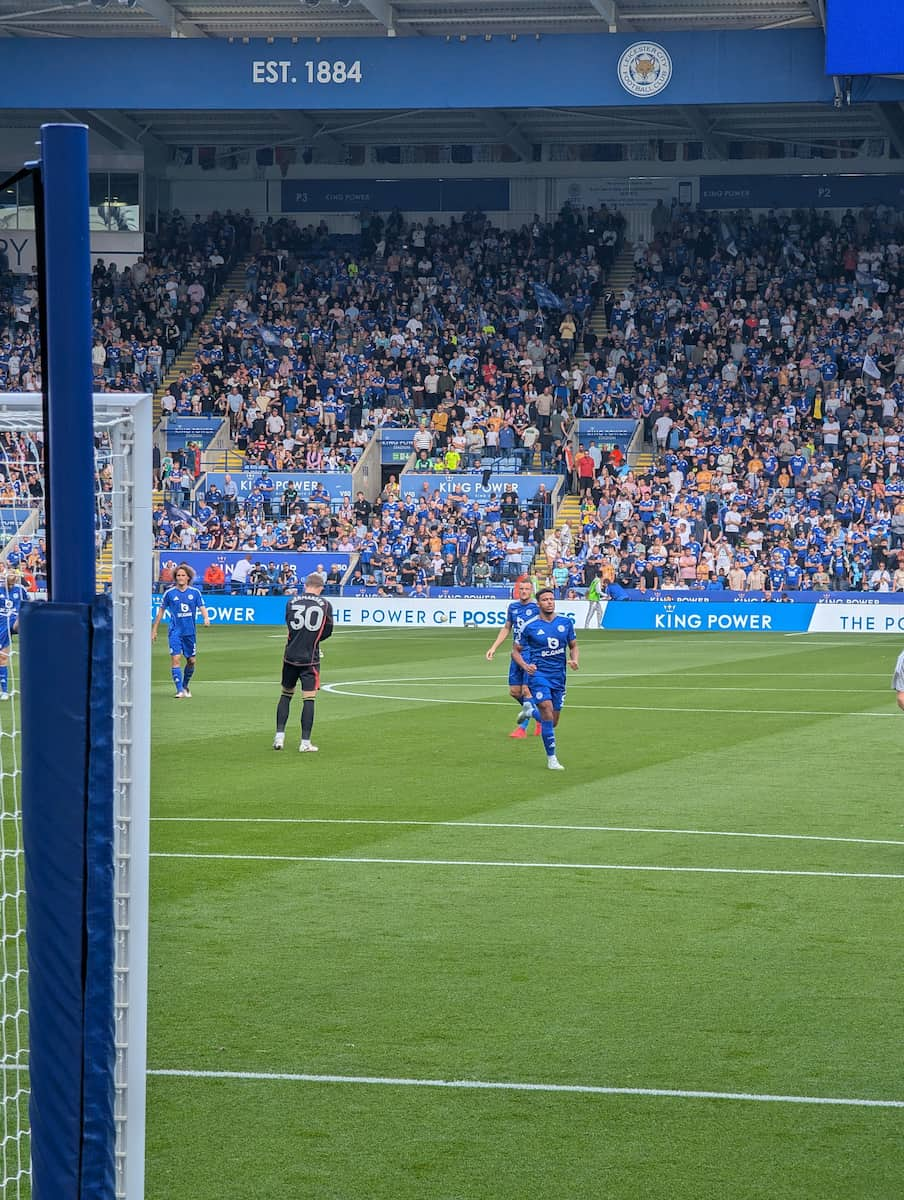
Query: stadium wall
[[696, 616], [541, 187], [20, 247]]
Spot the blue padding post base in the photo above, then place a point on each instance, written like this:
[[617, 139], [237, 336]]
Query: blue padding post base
[[67, 817]]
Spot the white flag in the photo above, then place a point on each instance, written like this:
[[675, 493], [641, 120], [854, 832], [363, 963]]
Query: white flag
[[870, 368]]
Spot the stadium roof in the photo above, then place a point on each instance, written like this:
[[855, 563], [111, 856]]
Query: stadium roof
[[405, 18], [331, 132]]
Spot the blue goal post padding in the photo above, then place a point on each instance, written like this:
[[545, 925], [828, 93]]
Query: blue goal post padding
[[67, 818]]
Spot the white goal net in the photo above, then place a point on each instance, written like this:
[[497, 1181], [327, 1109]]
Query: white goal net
[[122, 437]]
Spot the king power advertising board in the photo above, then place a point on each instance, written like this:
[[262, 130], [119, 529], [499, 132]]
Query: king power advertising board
[[689, 617]]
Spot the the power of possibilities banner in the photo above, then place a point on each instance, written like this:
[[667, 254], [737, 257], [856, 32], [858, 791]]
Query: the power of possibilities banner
[[688, 616]]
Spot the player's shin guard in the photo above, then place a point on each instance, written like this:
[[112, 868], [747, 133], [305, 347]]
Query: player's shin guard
[[282, 713], [187, 674], [548, 730], [307, 720], [177, 678]]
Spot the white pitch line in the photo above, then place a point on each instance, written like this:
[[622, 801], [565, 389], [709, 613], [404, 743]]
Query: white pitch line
[[506, 1086], [504, 864], [529, 825], [622, 678], [616, 683], [342, 689]]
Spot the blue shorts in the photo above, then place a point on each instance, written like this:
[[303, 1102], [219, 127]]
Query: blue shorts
[[543, 689], [181, 643], [517, 677]]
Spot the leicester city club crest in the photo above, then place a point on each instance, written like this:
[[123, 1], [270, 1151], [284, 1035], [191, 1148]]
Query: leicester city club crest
[[645, 69]]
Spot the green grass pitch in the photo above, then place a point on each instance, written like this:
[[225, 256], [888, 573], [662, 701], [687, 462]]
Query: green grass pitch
[[509, 925]]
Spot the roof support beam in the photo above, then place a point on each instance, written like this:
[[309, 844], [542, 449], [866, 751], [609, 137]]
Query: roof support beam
[[171, 18], [714, 146], [121, 132], [118, 129], [384, 12], [891, 118], [608, 10], [304, 128], [117, 140], [509, 133], [818, 9]]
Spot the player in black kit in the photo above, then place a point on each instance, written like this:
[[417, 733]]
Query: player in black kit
[[309, 620]]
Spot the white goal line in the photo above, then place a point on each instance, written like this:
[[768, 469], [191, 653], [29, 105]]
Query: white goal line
[[508, 1086], [514, 865], [528, 825]]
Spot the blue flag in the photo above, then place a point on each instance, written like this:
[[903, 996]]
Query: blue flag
[[546, 297], [267, 336], [177, 514], [870, 367], [727, 235]]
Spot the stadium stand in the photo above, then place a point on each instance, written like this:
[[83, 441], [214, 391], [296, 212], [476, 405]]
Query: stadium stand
[[761, 353], [764, 355], [463, 332]]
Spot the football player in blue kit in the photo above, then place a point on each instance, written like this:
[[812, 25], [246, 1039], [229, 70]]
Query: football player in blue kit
[[181, 603], [521, 609], [540, 652], [897, 682], [12, 596]]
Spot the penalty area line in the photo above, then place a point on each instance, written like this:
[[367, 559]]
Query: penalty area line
[[515, 865], [514, 1086], [528, 825]]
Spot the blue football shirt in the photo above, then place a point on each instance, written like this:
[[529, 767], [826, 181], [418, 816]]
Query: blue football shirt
[[182, 608], [547, 643]]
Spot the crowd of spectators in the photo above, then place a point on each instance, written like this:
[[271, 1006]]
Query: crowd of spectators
[[142, 314], [420, 325], [21, 488], [405, 543], [765, 356], [329, 342]]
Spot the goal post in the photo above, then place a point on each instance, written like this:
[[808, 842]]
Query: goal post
[[110, 833], [79, 725], [61, 702]]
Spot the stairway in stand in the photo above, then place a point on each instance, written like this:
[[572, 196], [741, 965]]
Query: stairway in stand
[[620, 277], [105, 563], [223, 460], [570, 512], [234, 282]]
